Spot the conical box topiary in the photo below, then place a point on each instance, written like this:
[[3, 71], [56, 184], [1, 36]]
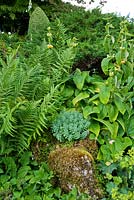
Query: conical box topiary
[[38, 24]]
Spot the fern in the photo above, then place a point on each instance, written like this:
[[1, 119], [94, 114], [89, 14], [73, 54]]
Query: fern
[[33, 117], [63, 63], [23, 114], [30, 92], [54, 64], [26, 106]]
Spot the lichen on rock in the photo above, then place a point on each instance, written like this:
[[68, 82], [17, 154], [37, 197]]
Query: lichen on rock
[[74, 167]]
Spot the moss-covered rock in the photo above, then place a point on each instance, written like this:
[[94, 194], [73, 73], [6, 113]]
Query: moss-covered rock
[[74, 167], [89, 145]]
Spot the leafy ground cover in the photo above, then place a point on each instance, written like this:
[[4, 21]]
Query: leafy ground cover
[[37, 83]]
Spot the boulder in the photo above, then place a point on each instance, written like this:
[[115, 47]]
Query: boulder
[[74, 167]]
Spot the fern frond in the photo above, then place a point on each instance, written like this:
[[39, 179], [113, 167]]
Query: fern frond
[[63, 64], [33, 118], [7, 121]]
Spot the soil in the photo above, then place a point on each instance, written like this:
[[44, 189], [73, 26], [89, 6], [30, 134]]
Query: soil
[[88, 63]]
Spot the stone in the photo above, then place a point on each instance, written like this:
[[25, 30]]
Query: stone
[[74, 167]]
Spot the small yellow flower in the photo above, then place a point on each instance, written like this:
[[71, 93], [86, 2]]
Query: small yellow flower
[[49, 34], [74, 44], [49, 46], [97, 89], [117, 68], [123, 62], [122, 48], [111, 73], [108, 163], [49, 28]]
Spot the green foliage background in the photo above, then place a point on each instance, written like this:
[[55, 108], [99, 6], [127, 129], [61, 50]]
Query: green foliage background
[[37, 82]]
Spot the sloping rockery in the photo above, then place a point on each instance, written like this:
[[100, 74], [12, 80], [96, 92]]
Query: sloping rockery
[[65, 133]]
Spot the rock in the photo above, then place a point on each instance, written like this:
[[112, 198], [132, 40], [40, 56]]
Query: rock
[[74, 167], [89, 145]]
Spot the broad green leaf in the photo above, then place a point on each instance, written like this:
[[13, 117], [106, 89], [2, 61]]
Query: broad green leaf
[[104, 153], [120, 144], [10, 165], [118, 57], [103, 111], [125, 54], [115, 127], [92, 136], [95, 128], [105, 65], [57, 192], [17, 194], [90, 79], [112, 127], [130, 129], [117, 180], [38, 175], [23, 171], [94, 79], [1, 171], [104, 94], [127, 71], [93, 98], [120, 104], [112, 112], [25, 158], [110, 185], [130, 83], [100, 155], [89, 110], [76, 92], [121, 122], [79, 78], [126, 142], [82, 95], [68, 92]]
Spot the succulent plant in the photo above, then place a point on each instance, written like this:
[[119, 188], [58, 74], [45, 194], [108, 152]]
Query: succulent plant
[[70, 126]]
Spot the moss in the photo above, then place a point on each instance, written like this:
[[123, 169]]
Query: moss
[[74, 167], [89, 145]]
